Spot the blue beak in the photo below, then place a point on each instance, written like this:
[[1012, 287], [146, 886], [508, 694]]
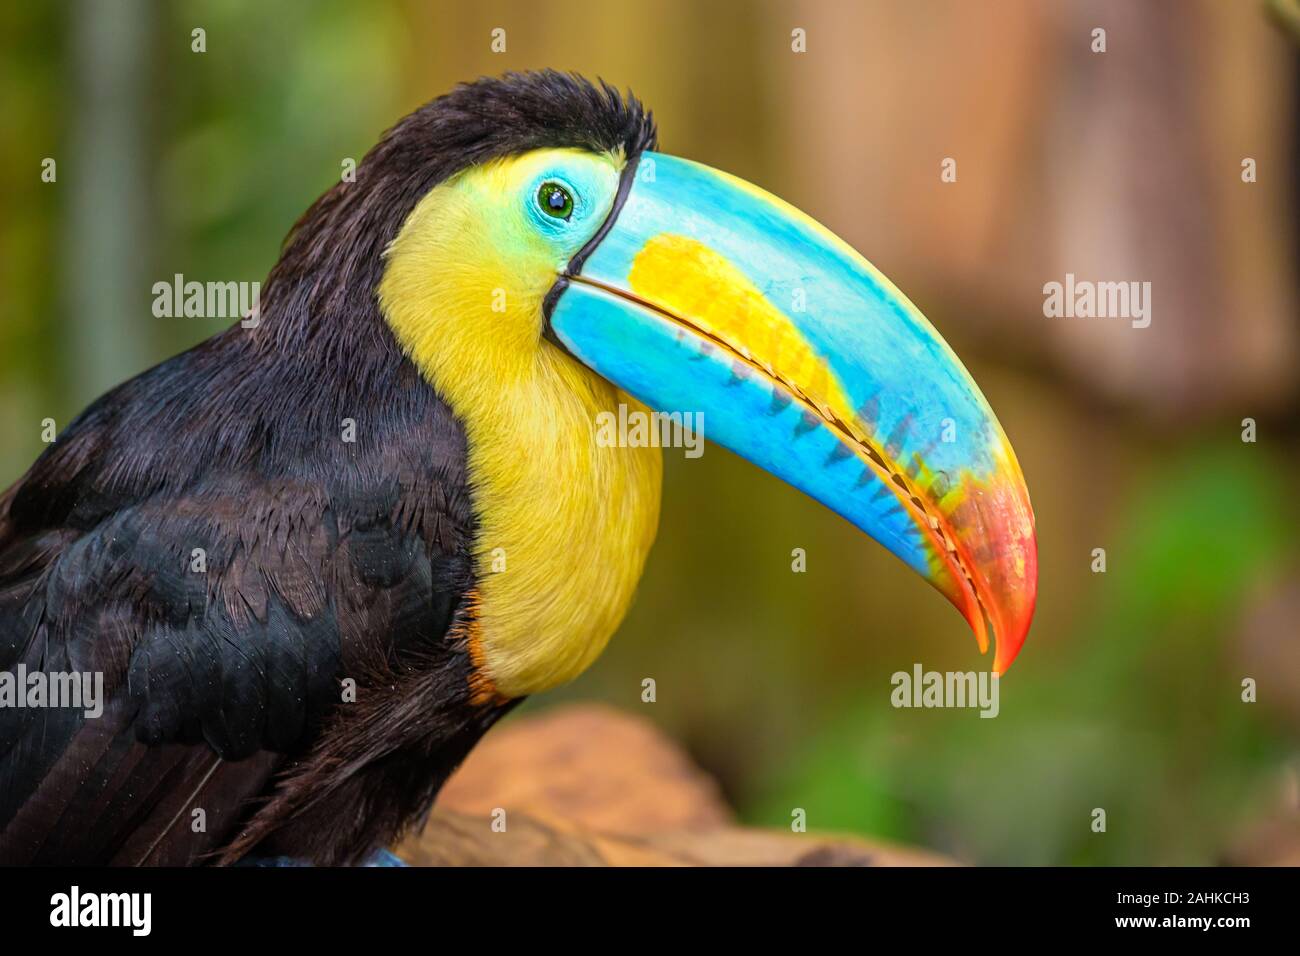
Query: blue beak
[[703, 294]]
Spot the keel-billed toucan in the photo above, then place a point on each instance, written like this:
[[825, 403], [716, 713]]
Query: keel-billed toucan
[[419, 394]]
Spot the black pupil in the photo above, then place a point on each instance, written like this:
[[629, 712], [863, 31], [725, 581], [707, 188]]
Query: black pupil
[[556, 198]]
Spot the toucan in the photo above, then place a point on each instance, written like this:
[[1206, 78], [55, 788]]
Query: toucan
[[313, 559]]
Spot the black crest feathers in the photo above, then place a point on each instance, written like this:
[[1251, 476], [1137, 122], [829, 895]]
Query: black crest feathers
[[339, 242]]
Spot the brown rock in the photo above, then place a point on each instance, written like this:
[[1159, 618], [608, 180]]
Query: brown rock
[[588, 766], [590, 786]]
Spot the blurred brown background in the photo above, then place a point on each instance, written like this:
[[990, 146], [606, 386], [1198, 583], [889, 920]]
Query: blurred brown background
[[1115, 166]]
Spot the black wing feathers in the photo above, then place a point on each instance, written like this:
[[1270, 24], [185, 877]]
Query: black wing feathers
[[222, 598]]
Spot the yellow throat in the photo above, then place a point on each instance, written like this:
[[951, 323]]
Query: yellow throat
[[565, 524]]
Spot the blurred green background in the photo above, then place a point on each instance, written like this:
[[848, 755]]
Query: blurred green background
[[1122, 165]]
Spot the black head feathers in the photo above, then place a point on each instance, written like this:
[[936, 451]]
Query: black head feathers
[[341, 238], [515, 113], [320, 324]]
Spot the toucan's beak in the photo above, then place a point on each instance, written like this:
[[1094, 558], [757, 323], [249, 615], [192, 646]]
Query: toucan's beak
[[704, 294]]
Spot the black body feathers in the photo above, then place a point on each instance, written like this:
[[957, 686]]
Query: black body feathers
[[204, 537]]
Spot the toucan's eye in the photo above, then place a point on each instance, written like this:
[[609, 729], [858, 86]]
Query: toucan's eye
[[555, 200]]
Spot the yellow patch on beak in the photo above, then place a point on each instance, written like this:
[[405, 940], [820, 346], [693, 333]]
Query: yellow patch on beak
[[701, 287]]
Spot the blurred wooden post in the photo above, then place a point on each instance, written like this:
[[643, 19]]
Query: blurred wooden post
[[1123, 165], [107, 231]]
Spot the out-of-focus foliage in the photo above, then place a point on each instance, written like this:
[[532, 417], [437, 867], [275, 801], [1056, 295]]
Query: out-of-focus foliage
[[1136, 717], [1127, 696]]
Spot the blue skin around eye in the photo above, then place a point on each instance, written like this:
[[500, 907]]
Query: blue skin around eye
[[571, 232], [550, 226]]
